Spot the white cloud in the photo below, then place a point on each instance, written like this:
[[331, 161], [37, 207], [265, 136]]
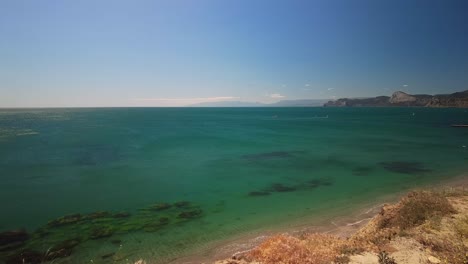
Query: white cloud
[[210, 99], [307, 85], [276, 95], [329, 89], [405, 85], [182, 101]]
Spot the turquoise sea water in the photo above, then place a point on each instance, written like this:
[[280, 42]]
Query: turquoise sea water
[[239, 169]]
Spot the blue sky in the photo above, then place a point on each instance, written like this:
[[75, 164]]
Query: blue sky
[[174, 52]]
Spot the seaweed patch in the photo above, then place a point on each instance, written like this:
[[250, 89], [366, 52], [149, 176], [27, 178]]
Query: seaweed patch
[[63, 234], [279, 187], [404, 167]]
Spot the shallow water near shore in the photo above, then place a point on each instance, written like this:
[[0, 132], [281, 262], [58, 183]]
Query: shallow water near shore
[[240, 170]]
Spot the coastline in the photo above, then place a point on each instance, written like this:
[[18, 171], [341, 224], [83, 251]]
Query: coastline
[[344, 225]]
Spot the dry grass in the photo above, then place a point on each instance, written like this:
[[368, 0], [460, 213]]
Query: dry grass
[[461, 226], [447, 248], [415, 209], [313, 248], [427, 218]]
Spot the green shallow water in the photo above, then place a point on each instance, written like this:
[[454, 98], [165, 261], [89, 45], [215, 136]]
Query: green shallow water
[[56, 162]]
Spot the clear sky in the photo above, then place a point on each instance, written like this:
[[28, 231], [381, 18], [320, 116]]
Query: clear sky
[[172, 53]]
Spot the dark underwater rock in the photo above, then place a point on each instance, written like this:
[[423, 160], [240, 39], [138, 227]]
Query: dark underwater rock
[[182, 204], [279, 187], [190, 214], [108, 255], [25, 257], [313, 183], [13, 236], [163, 220], [259, 193], [158, 207], [65, 220], [116, 241], [121, 215], [12, 239], [62, 250], [326, 182], [156, 226], [42, 232], [98, 214], [101, 232], [404, 167]]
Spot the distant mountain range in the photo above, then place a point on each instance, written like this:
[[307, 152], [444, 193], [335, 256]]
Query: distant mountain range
[[283, 103], [459, 99]]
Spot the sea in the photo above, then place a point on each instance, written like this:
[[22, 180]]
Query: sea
[[115, 185]]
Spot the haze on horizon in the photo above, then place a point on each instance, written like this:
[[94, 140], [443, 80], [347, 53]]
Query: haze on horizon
[[176, 53]]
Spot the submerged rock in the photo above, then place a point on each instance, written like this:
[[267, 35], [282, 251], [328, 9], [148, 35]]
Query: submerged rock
[[155, 226], [116, 241], [101, 232], [182, 204], [65, 220], [121, 215], [404, 167], [158, 207], [42, 232], [190, 214], [108, 255], [12, 239], [326, 182], [279, 187], [25, 257], [313, 183], [98, 214], [163, 220], [259, 193], [63, 249]]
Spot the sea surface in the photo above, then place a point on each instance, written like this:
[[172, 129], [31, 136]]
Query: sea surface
[[160, 183]]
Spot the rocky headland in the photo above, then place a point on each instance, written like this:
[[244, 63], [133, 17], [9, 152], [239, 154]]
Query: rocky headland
[[459, 99]]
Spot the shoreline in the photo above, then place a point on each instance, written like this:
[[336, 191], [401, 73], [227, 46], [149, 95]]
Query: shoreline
[[343, 225]]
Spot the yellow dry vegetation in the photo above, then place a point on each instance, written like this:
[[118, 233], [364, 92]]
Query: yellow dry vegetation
[[312, 248], [434, 222]]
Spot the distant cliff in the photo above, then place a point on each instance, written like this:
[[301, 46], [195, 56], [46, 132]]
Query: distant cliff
[[399, 98]]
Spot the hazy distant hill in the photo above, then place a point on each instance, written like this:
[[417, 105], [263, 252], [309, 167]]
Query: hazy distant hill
[[459, 99], [228, 104], [299, 103], [283, 103]]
